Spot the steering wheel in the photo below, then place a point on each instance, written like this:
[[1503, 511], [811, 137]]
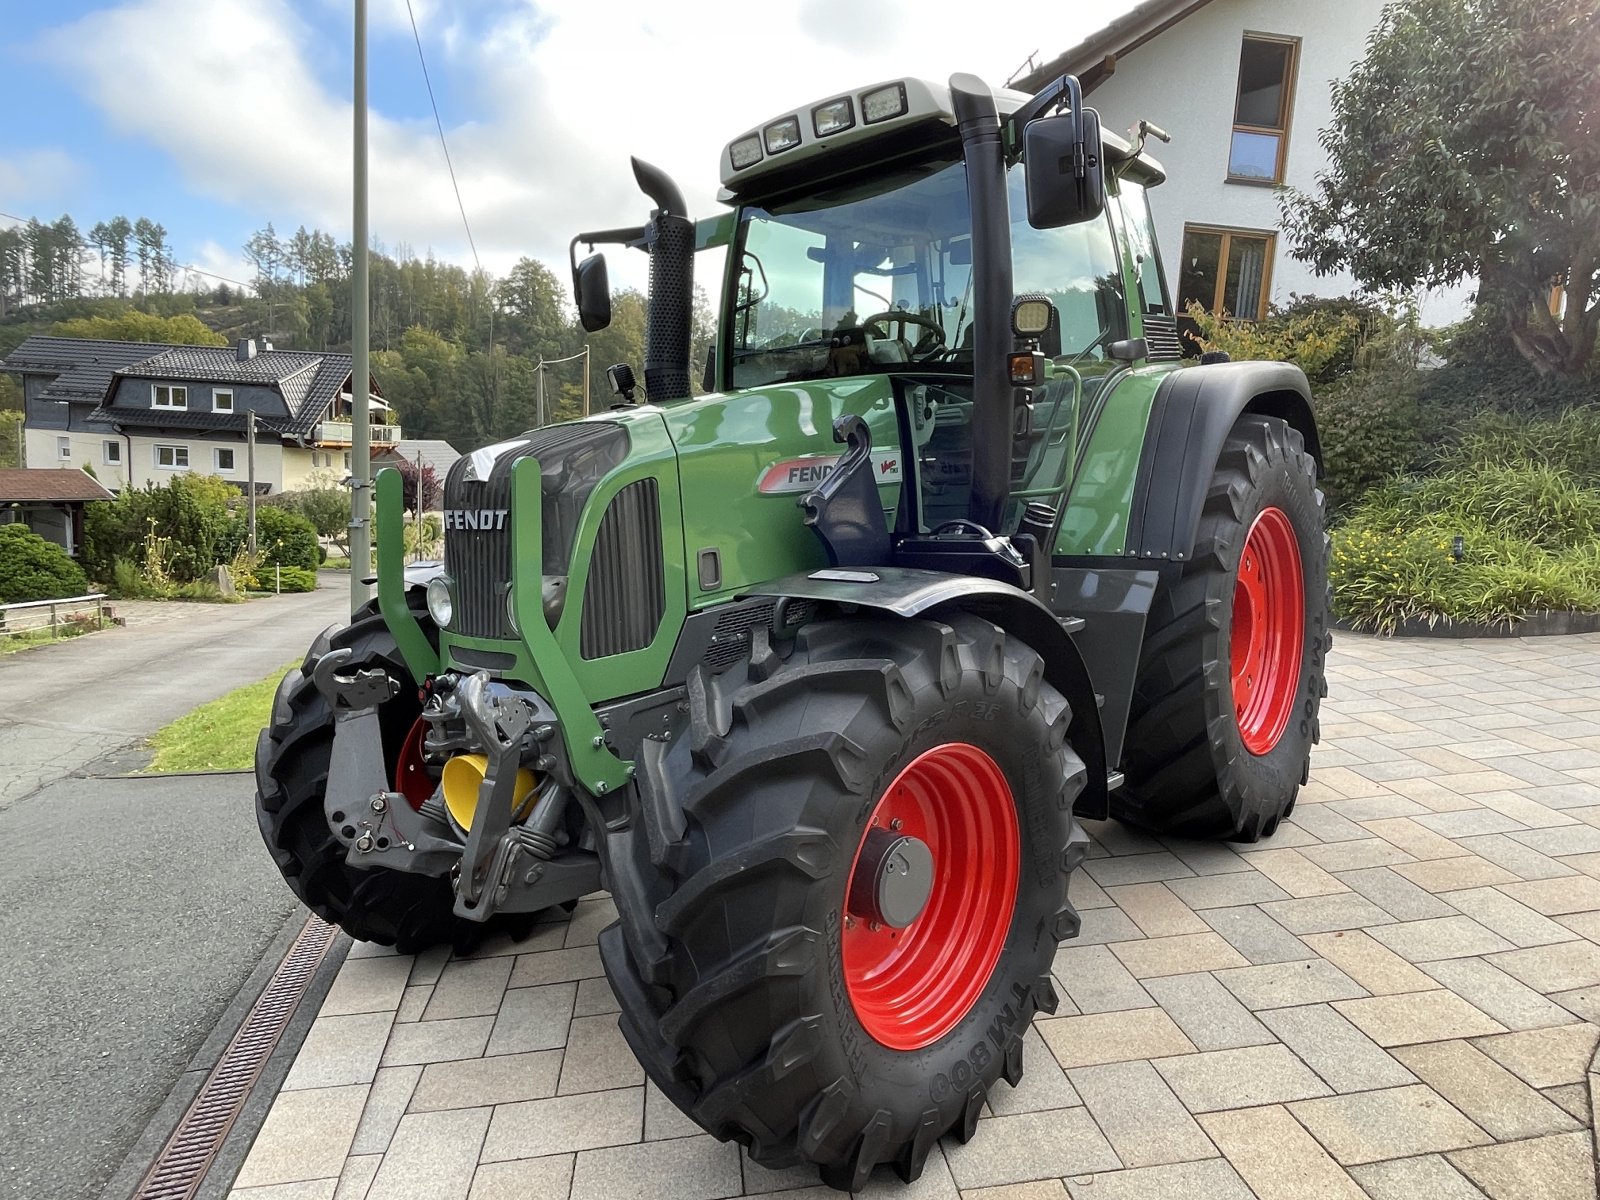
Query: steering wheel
[[904, 318]]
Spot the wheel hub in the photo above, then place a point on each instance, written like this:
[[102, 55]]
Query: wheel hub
[[893, 879], [1268, 631]]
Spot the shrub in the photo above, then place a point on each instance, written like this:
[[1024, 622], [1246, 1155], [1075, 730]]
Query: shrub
[[190, 512], [284, 539], [287, 579], [34, 569], [325, 504], [1320, 338], [1371, 431]]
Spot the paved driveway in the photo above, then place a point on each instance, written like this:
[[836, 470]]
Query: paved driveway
[[1396, 997]]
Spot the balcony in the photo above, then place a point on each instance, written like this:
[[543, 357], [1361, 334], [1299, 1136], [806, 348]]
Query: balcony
[[339, 433]]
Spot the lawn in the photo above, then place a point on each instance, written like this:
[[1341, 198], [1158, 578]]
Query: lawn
[[221, 735]]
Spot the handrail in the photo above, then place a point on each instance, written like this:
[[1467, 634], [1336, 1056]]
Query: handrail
[[47, 603]]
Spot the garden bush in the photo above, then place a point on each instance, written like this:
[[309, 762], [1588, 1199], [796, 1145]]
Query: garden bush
[[190, 513], [32, 568], [285, 539], [1371, 431]]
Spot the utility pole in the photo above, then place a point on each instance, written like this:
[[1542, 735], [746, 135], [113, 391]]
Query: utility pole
[[250, 472], [539, 393], [586, 379], [360, 446]]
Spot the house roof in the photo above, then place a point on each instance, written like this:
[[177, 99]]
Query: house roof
[[36, 484], [87, 369], [440, 455], [1095, 58]]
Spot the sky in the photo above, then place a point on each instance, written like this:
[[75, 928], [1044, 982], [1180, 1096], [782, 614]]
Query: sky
[[214, 117]]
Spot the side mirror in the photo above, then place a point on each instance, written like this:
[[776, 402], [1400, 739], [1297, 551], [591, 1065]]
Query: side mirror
[[1065, 165], [591, 287]]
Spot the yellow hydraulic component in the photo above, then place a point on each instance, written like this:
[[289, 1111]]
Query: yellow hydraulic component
[[462, 776]]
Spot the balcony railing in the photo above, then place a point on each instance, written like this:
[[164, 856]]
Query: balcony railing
[[339, 433]]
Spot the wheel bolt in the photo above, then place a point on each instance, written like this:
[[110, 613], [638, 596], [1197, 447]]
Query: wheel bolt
[[378, 804], [874, 926], [364, 843], [896, 824]]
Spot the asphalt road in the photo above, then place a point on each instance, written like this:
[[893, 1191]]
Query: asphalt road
[[133, 909]]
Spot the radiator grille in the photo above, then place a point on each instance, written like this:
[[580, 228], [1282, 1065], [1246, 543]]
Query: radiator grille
[[626, 593], [1161, 338]]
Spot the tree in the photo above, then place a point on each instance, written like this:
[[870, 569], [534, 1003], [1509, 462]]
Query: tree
[[1467, 144], [420, 486], [135, 326]]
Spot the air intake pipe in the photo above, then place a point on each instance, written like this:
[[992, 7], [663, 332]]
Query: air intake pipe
[[670, 240], [992, 415]]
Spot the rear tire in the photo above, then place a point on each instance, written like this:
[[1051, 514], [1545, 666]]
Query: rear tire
[[737, 962], [1211, 750]]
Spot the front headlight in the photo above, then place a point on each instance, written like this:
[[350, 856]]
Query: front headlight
[[440, 607]]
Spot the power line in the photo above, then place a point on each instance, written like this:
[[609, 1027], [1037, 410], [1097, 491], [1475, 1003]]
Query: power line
[[442, 143], [84, 242]]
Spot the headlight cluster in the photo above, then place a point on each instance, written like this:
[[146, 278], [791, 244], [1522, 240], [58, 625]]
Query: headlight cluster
[[441, 606], [827, 119]]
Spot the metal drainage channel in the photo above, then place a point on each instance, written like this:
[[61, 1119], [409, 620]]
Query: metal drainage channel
[[181, 1166]]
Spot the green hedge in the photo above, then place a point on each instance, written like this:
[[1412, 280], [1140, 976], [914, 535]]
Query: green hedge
[[34, 569], [285, 539]]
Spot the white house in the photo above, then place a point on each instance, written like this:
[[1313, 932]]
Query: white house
[[1243, 87]]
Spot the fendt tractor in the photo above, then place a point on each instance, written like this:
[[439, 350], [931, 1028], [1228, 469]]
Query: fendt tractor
[[816, 672]]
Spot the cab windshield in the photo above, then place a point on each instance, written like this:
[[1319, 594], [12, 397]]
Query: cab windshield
[[876, 277]]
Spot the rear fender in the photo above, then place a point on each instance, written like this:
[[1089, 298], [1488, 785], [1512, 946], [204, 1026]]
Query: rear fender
[[1194, 410], [908, 594]]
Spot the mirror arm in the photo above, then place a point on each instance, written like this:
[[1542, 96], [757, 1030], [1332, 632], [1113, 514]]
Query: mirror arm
[[1065, 90]]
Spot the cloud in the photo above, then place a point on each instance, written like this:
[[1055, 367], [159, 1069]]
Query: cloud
[[559, 95], [38, 178]]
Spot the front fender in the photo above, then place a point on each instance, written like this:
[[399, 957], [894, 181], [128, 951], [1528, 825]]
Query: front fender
[[907, 593]]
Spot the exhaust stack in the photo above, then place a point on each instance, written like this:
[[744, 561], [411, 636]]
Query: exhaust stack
[[669, 237]]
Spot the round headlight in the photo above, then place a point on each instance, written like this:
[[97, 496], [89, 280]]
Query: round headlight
[[439, 605]]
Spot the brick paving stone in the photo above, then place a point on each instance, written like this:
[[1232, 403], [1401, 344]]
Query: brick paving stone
[[1545, 1057], [1211, 858], [588, 919], [1395, 1123], [1573, 1099], [1583, 1002], [1156, 910], [534, 1018], [1209, 1015], [1177, 955], [310, 1189], [366, 985], [1557, 968], [663, 1118], [1550, 1168], [1374, 966], [1586, 925], [306, 1136], [1086, 893], [1404, 900], [437, 1041], [1120, 839], [387, 1101], [1486, 1093], [1322, 914], [1225, 891], [1038, 1189], [1102, 925], [1278, 985], [1554, 897], [426, 965], [1346, 1059], [1257, 936], [693, 1168], [1243, 1078], [1483, 985], [356, 1178], [1327, 825], [1520, 808], [1212, 1178], [548, 1178], [1044, 1084], [1382, 805], [1514, 921], [1463, 823], [1428, 1177], [1276, 1157], [564, 1123], [1428, 793], [1145, 1123], [500, 1079], [1136, 868], [556, 966], [1570, 839], [1416, 840], [1417, 1017], [1295, 873], [432, 1156], [1031, 1146], [1453, 874], [1440, 937], [1520, 860], [796, 1183], [597, 1057], [340, 1050], [1096, 980], [469, 988], [1113, 1037], [594, 997], [1355, 855], [413, 1003]]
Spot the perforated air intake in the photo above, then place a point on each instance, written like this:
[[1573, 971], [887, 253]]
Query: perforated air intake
[[1161, 338], [625, 596]]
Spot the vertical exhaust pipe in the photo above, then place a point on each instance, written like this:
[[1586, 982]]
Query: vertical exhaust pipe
[[670, 240], [992, 415]]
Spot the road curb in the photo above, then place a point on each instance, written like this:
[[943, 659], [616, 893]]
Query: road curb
[[231, 1155]]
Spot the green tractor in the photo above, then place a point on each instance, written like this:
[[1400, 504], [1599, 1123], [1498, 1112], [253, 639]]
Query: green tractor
[[815, 673]]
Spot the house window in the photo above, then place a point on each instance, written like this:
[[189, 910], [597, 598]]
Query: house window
[[63, 447], [173, 458], [222, 400], [223, 457], [1261, 110], [165, 396], [111, 453], [347, 460], [1228, 271]]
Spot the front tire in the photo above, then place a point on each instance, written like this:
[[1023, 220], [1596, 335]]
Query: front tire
[[1233, 668], [753, 984]]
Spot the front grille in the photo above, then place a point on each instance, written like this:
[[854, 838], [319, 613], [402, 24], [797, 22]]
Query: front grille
[[730, 637], [626, 593], [1161, 338], [572, 459]]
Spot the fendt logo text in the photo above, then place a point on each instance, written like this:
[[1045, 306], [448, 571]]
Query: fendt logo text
[[803, 474], [474, 518]]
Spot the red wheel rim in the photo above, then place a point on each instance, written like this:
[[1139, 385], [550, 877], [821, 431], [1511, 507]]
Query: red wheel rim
[[1269, 615], [411, 778], [909, 987]]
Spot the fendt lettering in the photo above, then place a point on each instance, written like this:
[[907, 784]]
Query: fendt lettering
[[816, 672]]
